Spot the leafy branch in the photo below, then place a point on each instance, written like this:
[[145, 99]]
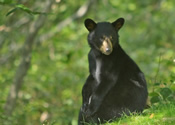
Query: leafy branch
[[20, 7]]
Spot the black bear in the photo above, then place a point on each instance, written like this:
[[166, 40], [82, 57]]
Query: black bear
[[115, 85]]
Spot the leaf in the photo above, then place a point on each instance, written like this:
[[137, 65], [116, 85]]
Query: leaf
[[165, 92], [165, 83], [21, 6], [11, 11], [172, 81], [153, 94], [24, 8], [156, 84], [151, 116], [155, 99], [170, 98]]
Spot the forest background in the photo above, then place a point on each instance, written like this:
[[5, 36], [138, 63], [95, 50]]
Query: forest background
[[43, 54]]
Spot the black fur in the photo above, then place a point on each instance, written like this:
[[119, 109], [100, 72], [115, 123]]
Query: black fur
[[121, 87]]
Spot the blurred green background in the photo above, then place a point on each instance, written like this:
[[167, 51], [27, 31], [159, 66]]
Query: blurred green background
[[51, 89]]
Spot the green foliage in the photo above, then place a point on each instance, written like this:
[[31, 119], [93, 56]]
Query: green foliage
[[161, 114], [23, 8], [163, 92], [19, 7], [51, 93]]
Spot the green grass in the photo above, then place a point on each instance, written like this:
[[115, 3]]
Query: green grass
[[160, 114]]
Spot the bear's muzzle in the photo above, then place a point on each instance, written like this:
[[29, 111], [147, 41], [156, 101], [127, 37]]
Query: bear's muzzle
[[106, 47]]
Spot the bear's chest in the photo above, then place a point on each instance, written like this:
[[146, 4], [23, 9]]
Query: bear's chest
[[97, 71]]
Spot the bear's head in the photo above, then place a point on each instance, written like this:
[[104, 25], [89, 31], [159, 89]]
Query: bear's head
[[103, 36]]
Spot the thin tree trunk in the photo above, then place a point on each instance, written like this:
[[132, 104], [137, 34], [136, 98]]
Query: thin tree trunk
[[25, 61]]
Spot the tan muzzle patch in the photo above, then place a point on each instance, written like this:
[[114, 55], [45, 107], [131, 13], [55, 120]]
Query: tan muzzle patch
[[106, 47]]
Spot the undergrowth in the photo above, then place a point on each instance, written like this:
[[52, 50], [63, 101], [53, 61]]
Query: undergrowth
[[158, 114]]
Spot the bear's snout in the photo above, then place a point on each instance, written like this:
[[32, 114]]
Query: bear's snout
[[108, 50], [106, 47]]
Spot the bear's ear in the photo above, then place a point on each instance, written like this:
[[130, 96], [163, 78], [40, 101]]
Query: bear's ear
[[90, 24], [118, 23]]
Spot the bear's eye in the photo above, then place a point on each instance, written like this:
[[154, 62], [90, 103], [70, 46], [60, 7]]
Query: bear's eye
[[110, 37], [102, 38]]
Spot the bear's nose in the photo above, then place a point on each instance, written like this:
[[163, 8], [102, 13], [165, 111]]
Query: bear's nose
[[108, 49]]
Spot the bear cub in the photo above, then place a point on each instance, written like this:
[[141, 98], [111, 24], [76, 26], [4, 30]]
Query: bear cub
[[115, 85]]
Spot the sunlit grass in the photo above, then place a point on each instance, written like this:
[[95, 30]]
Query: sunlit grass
[[161, 114]]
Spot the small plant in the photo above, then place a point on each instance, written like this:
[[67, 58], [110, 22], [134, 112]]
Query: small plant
[[163, 92]]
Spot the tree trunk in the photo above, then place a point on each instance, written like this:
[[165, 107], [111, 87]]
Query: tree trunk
[[25, 61]]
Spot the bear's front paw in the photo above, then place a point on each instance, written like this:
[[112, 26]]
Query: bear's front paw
[[84, 108], [93, 106], [90, 112]]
